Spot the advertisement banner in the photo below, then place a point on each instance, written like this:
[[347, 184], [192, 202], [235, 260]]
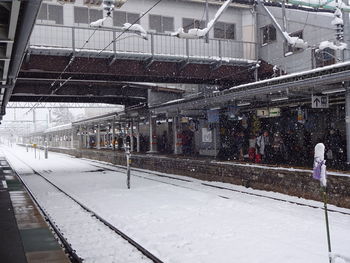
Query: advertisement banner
[[207, 135]]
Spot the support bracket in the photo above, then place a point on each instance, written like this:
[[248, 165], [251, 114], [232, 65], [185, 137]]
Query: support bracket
[[28, 55], [112, 60], [216, 65], [148, 62], [183, 64]]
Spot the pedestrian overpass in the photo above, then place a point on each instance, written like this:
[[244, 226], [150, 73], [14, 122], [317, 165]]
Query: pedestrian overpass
[[97, 65]]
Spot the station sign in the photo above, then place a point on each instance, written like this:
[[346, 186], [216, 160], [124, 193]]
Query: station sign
[[184, 120], [268, 113], [213, 116], [301, 116], [320, 102], [263, 113], [275, 112]]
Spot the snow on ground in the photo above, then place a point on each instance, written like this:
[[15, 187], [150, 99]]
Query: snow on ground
[[92, 240], [185, 222]]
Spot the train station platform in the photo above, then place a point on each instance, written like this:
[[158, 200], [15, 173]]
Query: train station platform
[[24, 234], [286, 180]]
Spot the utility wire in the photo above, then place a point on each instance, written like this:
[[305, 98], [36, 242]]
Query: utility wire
[[42, 99], [64, 70], [117, 38], [280, 57]]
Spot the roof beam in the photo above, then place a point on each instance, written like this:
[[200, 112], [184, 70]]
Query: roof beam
[[13, 19], [6, 41], [29, 11], [334, 74], [5, 5]]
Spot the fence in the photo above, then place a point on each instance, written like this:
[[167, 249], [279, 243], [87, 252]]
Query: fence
[[128, 44]]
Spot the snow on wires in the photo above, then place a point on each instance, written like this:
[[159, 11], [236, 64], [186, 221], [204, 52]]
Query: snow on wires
[[125, 29]]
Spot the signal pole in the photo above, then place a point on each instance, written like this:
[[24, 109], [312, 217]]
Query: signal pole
[[207, 19]]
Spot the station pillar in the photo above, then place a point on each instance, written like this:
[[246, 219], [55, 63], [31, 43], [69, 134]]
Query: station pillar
[[73, 137], [81, 138], [85, 134], [131, 136], [138, 137], [64, 144], [347, 121], [88, 137], [177, 136], [152, 135], [98, 137], [124, 131], [60, 139], [113, 134]]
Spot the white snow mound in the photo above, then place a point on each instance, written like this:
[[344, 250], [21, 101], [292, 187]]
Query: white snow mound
[[137, 28]]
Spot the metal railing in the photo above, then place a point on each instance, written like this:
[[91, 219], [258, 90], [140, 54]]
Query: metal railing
[[129, 44]]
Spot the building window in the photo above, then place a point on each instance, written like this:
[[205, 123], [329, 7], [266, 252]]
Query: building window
[[224, 30], [95, 15], [51, 13], [292, 49], [268, 34], [83, 15], [161, 23], [93, 2], [189, 23], [120, 18], [66, 1], [325, 57]]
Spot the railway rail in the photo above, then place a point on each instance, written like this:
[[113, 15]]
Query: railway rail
[[91, 215], [64, 243]]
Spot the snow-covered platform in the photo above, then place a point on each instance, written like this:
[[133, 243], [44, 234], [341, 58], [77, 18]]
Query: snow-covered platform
[[24, 234], [182, 219]]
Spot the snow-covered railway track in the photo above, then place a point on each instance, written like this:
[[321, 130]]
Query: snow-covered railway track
[[119, 168], [64, 243], [90, 237]]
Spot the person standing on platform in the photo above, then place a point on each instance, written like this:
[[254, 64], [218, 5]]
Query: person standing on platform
[[264, 146], [278, 148], [252, 147]]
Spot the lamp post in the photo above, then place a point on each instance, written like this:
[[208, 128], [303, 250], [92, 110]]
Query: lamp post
[[128, 162], [46, 150]]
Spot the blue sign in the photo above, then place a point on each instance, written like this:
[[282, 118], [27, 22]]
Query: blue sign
[[213, 116]]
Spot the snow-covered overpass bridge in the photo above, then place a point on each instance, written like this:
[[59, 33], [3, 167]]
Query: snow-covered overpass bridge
[[98, 62]]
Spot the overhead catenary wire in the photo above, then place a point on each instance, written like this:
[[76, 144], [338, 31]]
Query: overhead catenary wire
[[64, 70], [45, 98], [42, 99], [253, 67], [200, 21], [304, 24]]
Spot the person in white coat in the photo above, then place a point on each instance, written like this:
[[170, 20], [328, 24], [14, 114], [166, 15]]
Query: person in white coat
[[263, 145]]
